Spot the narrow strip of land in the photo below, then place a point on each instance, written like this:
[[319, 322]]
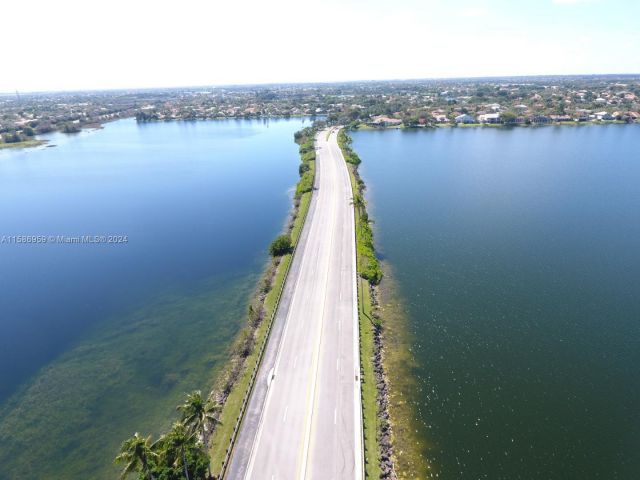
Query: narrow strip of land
[[304, 419]]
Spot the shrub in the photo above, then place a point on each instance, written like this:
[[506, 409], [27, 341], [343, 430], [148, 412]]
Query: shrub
[[309, 156], [305, 184], [12, 137], [281, 246]]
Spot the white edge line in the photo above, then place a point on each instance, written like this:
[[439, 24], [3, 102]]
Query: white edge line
[[307, 437], [357, 404], [282, 341]]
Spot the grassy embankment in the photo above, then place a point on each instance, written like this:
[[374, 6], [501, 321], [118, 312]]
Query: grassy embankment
[[23, 144], [369, 274], [273, 280]]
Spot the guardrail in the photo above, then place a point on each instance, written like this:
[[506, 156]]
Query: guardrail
[[254, 374], [360, 302]]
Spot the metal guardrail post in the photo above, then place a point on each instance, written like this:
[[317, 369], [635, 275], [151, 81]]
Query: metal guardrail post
[[232, 440]]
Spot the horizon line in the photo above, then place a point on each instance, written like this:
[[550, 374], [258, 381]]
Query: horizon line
[[328, 82]]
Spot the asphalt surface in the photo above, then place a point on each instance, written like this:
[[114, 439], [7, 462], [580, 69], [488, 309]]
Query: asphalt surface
[[303, 420]]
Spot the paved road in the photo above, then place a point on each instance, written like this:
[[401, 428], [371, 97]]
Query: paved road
[[303, 420]]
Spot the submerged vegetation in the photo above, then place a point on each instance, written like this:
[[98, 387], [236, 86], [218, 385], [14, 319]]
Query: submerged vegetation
[[197, 446], [127, 375], [181, 453], [244, 363]]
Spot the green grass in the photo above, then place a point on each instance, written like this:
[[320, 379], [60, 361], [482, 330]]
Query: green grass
[[232, 409], [305, 201], [25, 144], [369, 390], [221, 438]]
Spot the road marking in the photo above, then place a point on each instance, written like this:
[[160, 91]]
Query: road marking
[[335, 167], [357, 403], [307, 437], [303, 262]]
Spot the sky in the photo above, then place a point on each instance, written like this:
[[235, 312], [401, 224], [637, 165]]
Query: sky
[[88, 44]]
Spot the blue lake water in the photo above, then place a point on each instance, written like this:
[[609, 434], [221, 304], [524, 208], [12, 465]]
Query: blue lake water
[[517, 254], [198, 203]]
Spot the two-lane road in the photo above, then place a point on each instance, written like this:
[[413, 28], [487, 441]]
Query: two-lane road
[[304, 416]]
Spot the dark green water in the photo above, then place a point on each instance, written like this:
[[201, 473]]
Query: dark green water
[[98, 341], [518, 254]]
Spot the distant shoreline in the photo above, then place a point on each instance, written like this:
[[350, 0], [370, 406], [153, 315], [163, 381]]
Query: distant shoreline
[[492, 125], [23, 144]]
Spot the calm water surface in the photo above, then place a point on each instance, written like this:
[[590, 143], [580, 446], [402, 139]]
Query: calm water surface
[[518, 252], [97, 341]]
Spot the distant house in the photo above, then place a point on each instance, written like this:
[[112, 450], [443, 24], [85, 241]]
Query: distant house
[[464, 118], [489, 118], [383, 121], [560, 118], [439, 118], [540, 119], [582, 114], [603, 116]]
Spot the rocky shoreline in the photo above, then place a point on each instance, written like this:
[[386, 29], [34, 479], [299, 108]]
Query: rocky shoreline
[[384, 434]]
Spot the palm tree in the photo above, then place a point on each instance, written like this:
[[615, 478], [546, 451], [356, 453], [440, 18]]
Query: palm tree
[[136, 453], [200, 416], [175, 441]]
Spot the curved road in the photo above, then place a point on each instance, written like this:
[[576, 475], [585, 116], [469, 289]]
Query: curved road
[[303, 420]]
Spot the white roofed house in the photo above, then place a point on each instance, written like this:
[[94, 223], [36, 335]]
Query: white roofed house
[[489, 118], [383, 121], [604, 116], [464, 118]]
